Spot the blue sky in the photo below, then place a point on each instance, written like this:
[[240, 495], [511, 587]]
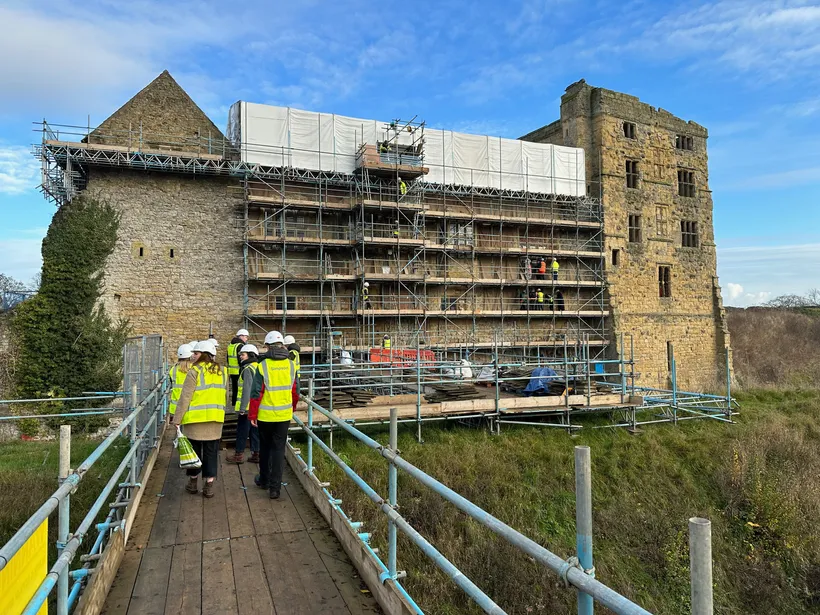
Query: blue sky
[[748, 71]]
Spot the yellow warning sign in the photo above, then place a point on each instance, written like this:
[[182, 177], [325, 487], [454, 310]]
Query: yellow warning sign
[[23, 574]]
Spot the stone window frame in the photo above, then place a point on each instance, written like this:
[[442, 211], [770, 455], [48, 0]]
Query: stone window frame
[[684, 143], [616, 257], [686, 183], [633, 174], [689, 237], [665, 281], [661, 220], [630, 130], [634, 228]]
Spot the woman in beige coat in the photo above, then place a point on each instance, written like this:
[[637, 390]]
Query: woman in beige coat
[[201, 412]]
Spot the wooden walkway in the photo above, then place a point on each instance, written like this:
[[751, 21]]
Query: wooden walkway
[[238, 552]]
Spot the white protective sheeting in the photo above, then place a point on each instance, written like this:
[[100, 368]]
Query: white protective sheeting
[[283, 136]]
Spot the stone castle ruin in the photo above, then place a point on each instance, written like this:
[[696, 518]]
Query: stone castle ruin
[[316, 224]]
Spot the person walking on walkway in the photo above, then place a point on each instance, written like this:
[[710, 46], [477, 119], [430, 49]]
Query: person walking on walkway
[[539, 299], [239, 340], [177, 376], [554, 266], [559, 301], [293, 353], [248, 364], [274, 397], [201, 413]]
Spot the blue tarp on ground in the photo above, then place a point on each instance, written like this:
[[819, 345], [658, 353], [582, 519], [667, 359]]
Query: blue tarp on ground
[[540, 380]]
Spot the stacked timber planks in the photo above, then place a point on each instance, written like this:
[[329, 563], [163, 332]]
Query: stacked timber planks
[[452, 392], [349, 398]]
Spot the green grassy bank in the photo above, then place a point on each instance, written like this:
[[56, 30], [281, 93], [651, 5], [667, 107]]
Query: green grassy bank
[[758, 481], [28, 476]]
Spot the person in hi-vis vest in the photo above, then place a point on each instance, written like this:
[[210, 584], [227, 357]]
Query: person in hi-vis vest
[[201, 413], [237, 342], [177, 377], [273, 398], [248, 364]]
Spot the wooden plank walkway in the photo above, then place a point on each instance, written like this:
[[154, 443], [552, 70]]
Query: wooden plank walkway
[[239, 552]]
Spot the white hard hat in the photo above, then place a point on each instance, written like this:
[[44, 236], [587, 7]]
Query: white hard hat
[[273, 337], [242, 332], [213, 341], [289, 339], [366, 284], [184, 351], [193, 344], [206, 346], [249, 348]]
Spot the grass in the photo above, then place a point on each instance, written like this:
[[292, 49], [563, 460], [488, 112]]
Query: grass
[[758, 481], [28, 476]]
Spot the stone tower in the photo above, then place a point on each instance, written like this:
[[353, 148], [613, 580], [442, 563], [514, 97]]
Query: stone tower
[[650, 170]]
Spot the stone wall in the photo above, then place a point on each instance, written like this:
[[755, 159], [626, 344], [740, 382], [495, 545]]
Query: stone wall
[[692, 320], [161, 117], [174, 294]]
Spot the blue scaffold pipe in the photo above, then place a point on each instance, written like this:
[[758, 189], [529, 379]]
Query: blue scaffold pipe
[[74, 594], [580, 580], [470, 588], [71, 547], [47, 399], [49, 506], [54, 416]]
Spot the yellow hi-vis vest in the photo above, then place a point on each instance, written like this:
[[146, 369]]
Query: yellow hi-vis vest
[[386, 343], [297, 361], [208, 401], [540, 297], [253, 367], [276, 404], [233, 359], [555, 266], [177, 377]]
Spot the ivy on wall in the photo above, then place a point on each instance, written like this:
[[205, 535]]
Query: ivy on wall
[[67, 342]]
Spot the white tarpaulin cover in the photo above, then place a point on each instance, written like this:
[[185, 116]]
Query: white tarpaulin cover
[[283, 136]]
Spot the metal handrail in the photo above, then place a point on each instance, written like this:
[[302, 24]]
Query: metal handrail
[[579, 578]]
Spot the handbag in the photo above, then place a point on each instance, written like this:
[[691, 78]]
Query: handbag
[[188, 459]]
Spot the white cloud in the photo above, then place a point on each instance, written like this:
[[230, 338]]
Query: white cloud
[[19, 170], [21, 258], [733, 291], [759, 273]]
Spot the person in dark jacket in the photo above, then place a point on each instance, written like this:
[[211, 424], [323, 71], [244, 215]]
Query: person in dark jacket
[[559, 301], [248, 359], [239, 340]]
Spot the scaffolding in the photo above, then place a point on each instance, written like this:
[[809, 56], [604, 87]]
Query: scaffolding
[[452, 268]]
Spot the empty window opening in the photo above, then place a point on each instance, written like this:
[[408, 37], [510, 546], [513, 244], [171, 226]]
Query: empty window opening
[[684, 142], [670, 353], [142, 252], [660, 221], [616, 257], [689, 233], [631, 173], [686, 183], [171, 253], [629, 130], [634, 227], [665, 281]]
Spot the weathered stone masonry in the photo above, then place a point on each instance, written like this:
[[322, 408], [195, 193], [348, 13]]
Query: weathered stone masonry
[[692, 319]]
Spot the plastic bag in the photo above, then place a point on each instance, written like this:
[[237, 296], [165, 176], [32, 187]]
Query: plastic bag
[[188, 459]]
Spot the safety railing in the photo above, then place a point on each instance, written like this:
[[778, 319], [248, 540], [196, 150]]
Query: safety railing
[[462, 269], [556, 303], [271, 230], [555, 211], [150, 413], [577, 571], [262, 266]]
